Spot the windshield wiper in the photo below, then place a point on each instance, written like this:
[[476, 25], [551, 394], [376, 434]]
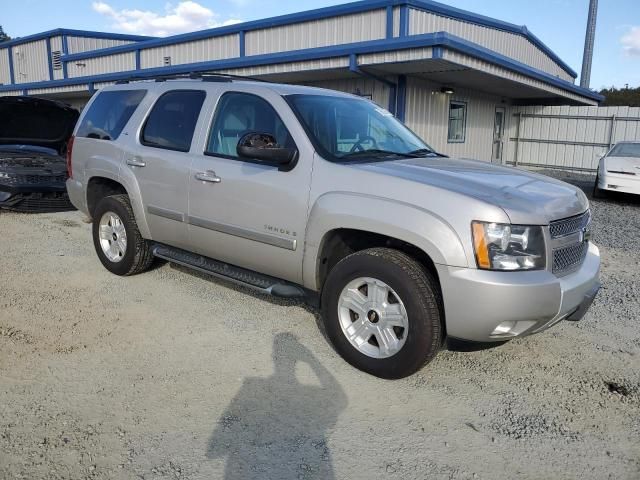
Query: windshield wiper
[[425, 151], [377, 152]]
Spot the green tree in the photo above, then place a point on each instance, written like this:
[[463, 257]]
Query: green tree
[[629, 97], [3, 36]]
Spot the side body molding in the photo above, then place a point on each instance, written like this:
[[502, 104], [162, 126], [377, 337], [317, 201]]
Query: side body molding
[[370, 213]]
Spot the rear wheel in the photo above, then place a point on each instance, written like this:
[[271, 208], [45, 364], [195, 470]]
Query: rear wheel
[[116, 238], [381, 311]]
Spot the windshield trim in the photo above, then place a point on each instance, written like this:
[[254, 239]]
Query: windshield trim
[[324, 153]]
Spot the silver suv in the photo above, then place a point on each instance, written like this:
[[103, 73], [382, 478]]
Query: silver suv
[[303, 192]]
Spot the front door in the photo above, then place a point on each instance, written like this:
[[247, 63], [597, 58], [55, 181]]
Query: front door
[[498, 135], [246, 213]]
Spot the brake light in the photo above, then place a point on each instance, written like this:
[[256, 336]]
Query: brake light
[[69, 153]]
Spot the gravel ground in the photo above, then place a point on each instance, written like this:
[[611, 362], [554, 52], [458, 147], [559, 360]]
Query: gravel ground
[[172, 375]]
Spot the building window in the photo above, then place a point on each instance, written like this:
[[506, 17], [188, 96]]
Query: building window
[[457, 122]]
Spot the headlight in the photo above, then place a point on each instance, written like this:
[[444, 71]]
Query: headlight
[[508, 247]]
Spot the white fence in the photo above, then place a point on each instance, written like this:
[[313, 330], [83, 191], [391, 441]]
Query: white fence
[[567, 138]]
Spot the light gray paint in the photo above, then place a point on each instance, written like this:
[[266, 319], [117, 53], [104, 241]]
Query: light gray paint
[[365, 86], [507, 43], [121, 62], [4, 66], [427, 114], [318, 33], [548, 137], [209, 49], [84, 44], [293, 67], [30, 62], [426, 202], [498, 71]]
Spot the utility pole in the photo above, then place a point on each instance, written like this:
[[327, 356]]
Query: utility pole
[[587, 58]]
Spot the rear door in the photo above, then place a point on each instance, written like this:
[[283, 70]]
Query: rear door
[[160, 159], [242, 212]]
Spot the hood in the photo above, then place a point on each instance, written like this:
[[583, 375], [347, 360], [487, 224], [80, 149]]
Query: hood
[[623, 164], [37, 122], [526, 197]]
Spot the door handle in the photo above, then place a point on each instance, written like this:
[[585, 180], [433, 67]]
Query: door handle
[[136, 162], [208, 176]]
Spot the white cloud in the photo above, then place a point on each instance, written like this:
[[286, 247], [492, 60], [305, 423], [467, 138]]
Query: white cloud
[[631, 42], [187, 16]]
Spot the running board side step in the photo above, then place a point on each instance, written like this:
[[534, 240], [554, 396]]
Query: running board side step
[[226, 271]]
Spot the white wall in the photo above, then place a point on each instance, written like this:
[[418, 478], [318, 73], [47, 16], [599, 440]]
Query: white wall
[[427, 114], [549, 138]]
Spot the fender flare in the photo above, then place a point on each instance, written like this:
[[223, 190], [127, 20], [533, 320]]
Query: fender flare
[[406, 222], [133, 191]]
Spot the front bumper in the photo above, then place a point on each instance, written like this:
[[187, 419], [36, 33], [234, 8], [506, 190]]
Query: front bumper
[[485, 306], [37, 197], [616, 182]]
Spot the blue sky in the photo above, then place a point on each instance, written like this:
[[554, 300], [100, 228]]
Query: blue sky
[[558, 23]]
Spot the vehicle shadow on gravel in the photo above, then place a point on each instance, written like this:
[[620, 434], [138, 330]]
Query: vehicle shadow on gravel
[[276, 427]]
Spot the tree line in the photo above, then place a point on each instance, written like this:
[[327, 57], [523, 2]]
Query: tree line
[[615, 97]]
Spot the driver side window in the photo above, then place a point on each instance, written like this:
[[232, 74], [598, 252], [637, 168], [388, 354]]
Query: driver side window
[[241, 113]]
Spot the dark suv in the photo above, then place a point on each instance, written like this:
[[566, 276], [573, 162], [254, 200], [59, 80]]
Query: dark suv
[[33, 140]]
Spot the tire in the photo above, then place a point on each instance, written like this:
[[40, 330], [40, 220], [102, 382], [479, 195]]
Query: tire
[[597, 192], [412, 291], [136, 256]]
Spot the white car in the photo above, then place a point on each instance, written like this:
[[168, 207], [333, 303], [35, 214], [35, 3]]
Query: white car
[[619, 170]]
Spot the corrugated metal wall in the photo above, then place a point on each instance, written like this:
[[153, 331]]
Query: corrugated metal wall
[[377, 91], [506, 43], [318, 33], [56, 45], [567, 137], [121, 62], [30, 62], [5, 77], [427, 114], [216, 48], [84, 44], [396, 56], [322, 66], [490, 68]]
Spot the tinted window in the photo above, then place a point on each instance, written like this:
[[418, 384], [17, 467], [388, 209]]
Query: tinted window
[[173, 119], [109, 113], [346, 128], [241, 113], [457, 122], [626, 150]]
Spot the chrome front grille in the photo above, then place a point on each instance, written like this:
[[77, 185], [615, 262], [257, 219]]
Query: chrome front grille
[[569, 226], [566, 259], [570, 242]]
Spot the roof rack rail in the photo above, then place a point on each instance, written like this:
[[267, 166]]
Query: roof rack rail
[[204, 76]]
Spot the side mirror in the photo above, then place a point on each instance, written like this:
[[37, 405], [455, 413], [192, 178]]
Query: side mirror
[[599, 155], [264, 148]]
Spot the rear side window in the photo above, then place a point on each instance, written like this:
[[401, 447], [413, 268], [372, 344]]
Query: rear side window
[[173, 119], [109, 113]]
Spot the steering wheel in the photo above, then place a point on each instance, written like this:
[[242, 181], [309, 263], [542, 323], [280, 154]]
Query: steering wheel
[[357, 147]]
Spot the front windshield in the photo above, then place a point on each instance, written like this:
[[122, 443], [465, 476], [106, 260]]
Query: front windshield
[[345, 129], [626, 150]]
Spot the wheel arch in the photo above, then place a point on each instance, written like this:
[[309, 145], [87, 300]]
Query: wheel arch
[[103, 184], [338, 226]]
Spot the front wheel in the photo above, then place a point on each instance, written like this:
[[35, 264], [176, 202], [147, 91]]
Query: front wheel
[[381, 311], [116, 238]]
